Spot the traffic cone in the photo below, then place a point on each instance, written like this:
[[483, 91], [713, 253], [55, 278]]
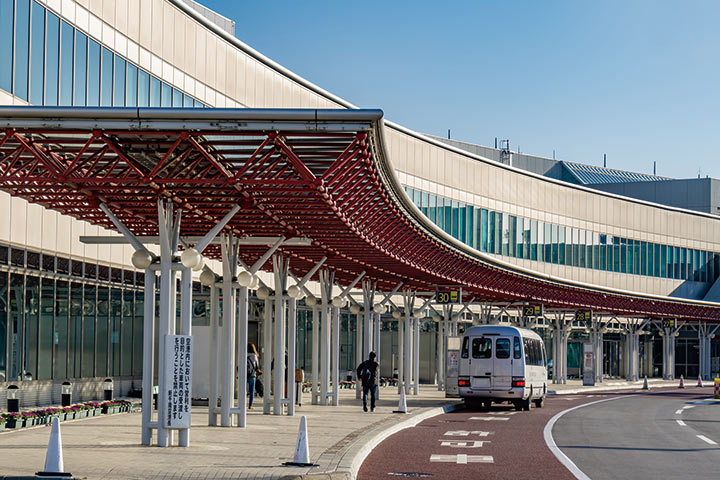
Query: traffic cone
[[645, 384], [402, 405], [301, 458], [699, 381], [54, 458], [682, 382]]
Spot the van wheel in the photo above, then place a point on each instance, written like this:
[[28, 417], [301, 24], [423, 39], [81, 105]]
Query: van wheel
[[486, 404], [527, 402], [472, 403], [518, 406], [539, 402]]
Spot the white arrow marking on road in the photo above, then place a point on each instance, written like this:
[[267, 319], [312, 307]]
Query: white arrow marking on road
[[460, 444], [462, 459], [681, 423], [678, 412], [706, 439], [465, 433], [490, 418]]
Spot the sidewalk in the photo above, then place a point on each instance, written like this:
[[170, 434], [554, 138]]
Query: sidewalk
[[108, 447], [576, 386]]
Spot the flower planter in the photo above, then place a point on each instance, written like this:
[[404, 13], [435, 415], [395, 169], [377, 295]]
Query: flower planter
[[81, 414], [2, 427], [109, 410]]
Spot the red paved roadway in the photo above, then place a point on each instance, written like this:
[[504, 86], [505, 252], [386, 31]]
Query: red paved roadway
[[516, 445]]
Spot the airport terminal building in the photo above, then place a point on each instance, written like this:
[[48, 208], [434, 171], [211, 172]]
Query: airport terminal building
[[74, 310]]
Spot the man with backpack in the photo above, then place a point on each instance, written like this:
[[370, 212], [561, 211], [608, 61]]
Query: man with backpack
[[367, 373]]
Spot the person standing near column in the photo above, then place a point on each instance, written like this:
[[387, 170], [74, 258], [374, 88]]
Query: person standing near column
[[367, 372], [253, 370]]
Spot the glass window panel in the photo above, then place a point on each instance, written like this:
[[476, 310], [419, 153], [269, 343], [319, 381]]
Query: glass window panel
[[432, 208], [6, 39], [126, 333], [484, 230], [115, 330], [119, 86], [482, 347], [67, 39], [52, 59], [16, 304], [137, 362], [425, 201], [101, 342], [166, 100], [471, 238], [491, 232], [37, 54], [80, 69], [448, 216], [177, 98], [75, 330], [512, 235], [187, 101], [60, 337], [33, 260], [89, 306], [663, 261], [46, 329], [143, 89], [131, 96], [93, 87], [32, 308], [502, 348], [155, 92], [440, 212], [3, 324], [3, 255], [643, 258], [106, 77], [22, 46]]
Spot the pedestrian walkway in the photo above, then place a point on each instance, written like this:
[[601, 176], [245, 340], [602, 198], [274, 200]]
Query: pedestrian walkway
[[108, 447], [576, 386]]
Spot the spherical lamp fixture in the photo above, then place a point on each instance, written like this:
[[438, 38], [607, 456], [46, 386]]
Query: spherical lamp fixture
[[254, 282], [141, 259], [396, 314], [207, 277], [310, 301], [263, 293], [294, 291], [190, 258], [378, 308], [199, 265], [354, 309], [338, 302], [244, 278]]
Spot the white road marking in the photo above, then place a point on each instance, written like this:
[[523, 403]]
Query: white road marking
[[462, 444], [681, 423], [706, 439], [490, 418], [462, 459], [678, 412], [689, 406], [465, 433], [502, 413]]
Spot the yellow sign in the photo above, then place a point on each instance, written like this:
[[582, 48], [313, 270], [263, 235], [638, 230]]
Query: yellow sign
[[583, 316], [448, 296], [532, 310], [668, 323]]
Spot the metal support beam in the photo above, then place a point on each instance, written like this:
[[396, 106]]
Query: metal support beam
[[280, 268], [292, 341], [267, 355], [315, 355], [229, 252], [214, 356], [148, 338]]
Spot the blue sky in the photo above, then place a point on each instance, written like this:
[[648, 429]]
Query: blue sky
[[638, 80]]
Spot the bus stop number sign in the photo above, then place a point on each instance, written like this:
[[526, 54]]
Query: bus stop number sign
[[447, 296]]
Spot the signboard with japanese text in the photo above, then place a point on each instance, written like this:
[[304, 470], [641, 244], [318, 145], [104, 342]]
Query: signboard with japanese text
[[448, 296], [583, 316], [532, 310], [178, 377]]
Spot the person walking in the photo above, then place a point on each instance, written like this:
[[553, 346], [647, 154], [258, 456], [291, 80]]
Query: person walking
[[253, 370], [368, 372]]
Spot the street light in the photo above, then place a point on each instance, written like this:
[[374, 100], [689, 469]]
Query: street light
[[66, 396], [379, 308], [13, 403], [108, 389], [245, 278], [263, 293], [190, 258], [294, 291], [311, 301], [338, 302], [207, 277], [396, 314], [141, 259], [354, 309]]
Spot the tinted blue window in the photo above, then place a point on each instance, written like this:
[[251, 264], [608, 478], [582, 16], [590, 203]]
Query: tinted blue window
[[66, 64], [132, 90], [177, 98], [80, 68], [187, 101], [106, 77], [143, 89], [22, 36], [52, 59], [37, 54], [6, 39], [155, 92], [166, 95], [93, 99], [119, 88]]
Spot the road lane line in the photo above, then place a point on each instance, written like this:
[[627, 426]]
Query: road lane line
[[461, 459], [678, 412], [681, 423], [488, 419], [550, 441], [688, 406], [706, 439]]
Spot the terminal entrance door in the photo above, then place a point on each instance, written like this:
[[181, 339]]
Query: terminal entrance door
[[611, 358]]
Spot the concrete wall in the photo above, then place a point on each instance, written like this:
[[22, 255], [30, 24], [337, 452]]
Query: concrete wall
[[700, 194]]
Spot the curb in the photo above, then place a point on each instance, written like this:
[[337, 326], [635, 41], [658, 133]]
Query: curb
[[352, 458], [608, 388]]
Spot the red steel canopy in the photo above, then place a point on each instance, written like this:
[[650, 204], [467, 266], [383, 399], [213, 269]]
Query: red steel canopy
[[321, 174]]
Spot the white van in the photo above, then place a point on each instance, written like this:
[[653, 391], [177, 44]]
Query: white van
[[502, 364]]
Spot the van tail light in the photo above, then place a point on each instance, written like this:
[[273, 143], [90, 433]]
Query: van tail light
[[518, 381], [463, 381]]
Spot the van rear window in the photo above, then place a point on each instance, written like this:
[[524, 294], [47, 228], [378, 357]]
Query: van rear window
[[482, 347], [502, 348]]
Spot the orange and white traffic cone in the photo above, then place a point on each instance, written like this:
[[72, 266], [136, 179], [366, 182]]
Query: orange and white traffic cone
[[699, 381], [682, 382]]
